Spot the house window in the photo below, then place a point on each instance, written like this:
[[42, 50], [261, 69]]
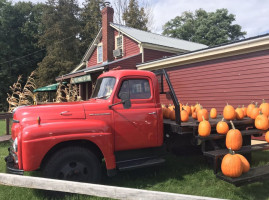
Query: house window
[[100, 53], [119, 42]]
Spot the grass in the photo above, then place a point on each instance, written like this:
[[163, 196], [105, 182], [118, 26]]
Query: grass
[[185, 175], [3, 127]]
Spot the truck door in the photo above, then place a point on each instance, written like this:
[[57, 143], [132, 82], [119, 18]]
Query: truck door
[[135, 127]]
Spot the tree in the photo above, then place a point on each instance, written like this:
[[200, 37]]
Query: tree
[[60, 37], [19, 55], [135, 17], [91, 20], [209, 28]]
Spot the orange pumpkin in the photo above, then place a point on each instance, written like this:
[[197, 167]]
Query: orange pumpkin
[[197, 107], [213, 113], [229, 112], [239, 113], [267, 136], [192, 109], [172, 115], [194, 115], [234, 139], [231, 165], [171, 107], [245, 163], [184, 115], [187, 108], [264, 107], [255, 112], [249, 109], [166, 113], [204, 128], [261, 122], [202, 112], [222, 127], [244, 110]]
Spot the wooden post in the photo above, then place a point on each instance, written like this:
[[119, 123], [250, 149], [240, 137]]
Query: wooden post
[[91, 189]]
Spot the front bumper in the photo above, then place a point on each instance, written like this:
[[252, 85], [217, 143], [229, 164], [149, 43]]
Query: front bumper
[[11, 166]]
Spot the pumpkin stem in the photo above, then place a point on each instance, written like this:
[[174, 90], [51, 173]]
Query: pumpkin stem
[[256, 104], [232, 124], [222, 119], [263, 100], [203, 118], [227, 103], [187, 104], [243, 106], [231, 151]]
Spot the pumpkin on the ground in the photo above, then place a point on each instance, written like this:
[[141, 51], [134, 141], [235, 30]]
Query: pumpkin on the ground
[[267, 136], [213, 113], [229, 112], [231, 165], [261, 122], [245, 163], [234, 139], [204, 128], [222, 127], [264, 107]]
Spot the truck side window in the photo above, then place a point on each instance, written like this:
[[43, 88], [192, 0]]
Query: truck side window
[[137, 88]]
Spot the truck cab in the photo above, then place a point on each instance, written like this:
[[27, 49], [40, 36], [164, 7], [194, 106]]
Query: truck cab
[[70, 140]]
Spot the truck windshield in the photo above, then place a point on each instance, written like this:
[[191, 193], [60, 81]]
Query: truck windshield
[[103, 88]]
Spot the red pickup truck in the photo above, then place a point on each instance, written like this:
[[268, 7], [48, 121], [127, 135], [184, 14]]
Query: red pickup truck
[[121, 124]]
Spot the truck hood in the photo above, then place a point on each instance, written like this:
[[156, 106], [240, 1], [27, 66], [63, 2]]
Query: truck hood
[[49, 112]]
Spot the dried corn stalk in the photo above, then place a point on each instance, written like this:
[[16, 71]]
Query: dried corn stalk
[[21, 96], [61, 93]]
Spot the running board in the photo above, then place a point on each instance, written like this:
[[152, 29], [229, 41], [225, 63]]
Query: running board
[[139, 163], [253, 175]]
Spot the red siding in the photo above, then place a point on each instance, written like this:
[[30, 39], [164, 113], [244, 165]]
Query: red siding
[[128, 63], [236, 80], [150, 54], [130, 47], [93, 59]]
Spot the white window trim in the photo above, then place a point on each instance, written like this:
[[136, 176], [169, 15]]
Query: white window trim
[[116, 44], [100, 44]]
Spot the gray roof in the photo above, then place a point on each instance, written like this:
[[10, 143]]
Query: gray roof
[[156, 39]]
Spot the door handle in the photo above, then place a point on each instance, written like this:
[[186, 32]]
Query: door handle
[[152, 113], [65, 113]]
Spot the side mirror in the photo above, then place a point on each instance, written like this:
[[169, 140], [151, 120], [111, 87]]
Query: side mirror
[[125, 99]]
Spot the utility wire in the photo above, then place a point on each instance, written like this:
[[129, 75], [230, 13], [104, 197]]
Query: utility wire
[[33, 52]]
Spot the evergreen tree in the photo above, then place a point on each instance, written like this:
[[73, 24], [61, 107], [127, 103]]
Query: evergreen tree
[[209, 28], [61, 29], [19, 55], [134, 16], [91, 21]]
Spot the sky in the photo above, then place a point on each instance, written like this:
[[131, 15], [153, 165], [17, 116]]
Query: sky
[[251, 15]]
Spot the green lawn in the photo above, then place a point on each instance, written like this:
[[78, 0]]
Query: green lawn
[[3, 127], [185, 175]]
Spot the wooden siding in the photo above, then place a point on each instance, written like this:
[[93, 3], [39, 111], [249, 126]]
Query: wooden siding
[[128, 63], [150, 54], [236, 80], [93, 59], [130, 47]]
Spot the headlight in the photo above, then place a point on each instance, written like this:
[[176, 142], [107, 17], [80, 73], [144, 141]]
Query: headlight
[[15, 145]]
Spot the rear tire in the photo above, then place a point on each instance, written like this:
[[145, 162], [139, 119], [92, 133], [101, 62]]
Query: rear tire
[[74, 164]]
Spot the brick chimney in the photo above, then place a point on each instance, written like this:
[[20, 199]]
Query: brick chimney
[[107, 33]]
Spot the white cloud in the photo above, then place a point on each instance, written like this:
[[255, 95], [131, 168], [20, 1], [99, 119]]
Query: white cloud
[[252, 15]]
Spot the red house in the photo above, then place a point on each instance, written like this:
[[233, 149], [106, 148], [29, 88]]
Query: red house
[[122, 47]]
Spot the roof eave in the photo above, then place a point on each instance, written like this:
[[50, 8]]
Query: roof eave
[[248, 46]]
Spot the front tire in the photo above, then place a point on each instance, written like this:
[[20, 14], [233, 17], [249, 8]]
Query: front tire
[[74, 164]]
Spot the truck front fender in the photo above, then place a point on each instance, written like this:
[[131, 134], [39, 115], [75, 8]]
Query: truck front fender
[[38, 140]]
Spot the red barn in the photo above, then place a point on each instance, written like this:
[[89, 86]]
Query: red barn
[[122, 47], [237, 73]]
